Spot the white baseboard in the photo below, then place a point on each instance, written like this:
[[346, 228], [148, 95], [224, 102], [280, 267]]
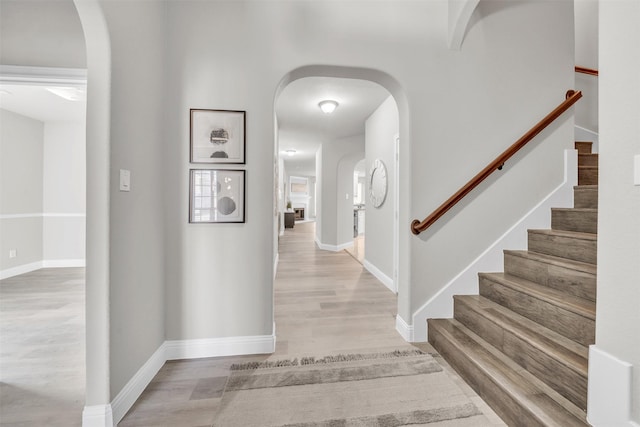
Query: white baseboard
[[275, 265], [33, 266], [466, 282], [110, 415], [404, 329], [217, 347], [609, 395], [333, 248], [136, 385], [63, 263], [97, 416], [386, 280], [21, 269]]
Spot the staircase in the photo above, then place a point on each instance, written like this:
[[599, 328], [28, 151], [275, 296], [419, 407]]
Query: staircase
[[522, 344]]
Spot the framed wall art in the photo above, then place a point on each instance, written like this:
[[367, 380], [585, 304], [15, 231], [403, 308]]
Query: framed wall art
[[217, 136], [216, 195]]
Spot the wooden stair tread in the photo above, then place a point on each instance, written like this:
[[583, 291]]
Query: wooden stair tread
[[555, 260], [590, 187], [563, 233], [566, 351], [544, 404], [587, 210], [579, 306]]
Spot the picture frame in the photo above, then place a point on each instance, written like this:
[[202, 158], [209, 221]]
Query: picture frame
[[217, 136], [217, 195]]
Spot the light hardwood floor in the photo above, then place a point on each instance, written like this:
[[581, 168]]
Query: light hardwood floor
[[42, 348], [325, 303]]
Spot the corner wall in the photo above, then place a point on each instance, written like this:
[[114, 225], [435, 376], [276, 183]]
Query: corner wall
[[614, 362], [21, 193]]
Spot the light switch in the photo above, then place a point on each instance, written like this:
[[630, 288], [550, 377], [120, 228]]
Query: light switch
[[636, 169], [125, 180]]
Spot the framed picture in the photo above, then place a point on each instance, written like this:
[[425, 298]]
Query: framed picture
[[217, 136], [216, 195]]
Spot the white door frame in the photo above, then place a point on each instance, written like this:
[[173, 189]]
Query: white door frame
[[396, 213]]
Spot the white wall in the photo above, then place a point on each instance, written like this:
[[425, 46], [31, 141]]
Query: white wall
[[618, 309], [64, 191], [381, 129], [56, 41], [21, 160], [586, 40]]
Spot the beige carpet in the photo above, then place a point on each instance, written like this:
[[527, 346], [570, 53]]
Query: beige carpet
[[385, 390]]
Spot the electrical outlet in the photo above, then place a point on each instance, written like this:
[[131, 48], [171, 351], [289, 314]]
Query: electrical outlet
[[13, 253]]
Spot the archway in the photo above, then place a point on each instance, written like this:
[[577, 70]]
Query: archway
[[401, 268]]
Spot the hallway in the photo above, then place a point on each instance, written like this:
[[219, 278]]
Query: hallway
[[325, 304]]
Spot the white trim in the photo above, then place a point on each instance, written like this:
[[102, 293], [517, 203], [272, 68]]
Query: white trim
[[275, 265], [584, 134], [16, 75], [609, 394], [21, 269], [43, 215], [386, 280], [466, 282], [405, 330], [63, 263], [97, 416], [333, 248], [216, 347], [136, 385], [47, 263]]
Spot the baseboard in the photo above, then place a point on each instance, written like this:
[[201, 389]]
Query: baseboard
[[333, 248], [466, 282], [217, 347], [275, 265], [63, 263], [21, 269], [97, 416], [404, 329], [609, 395], [33, 266], [136, 385], [386, 280]]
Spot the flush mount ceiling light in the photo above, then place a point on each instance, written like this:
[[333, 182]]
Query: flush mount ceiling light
[[68, 93], [290, 152], [328, 106]]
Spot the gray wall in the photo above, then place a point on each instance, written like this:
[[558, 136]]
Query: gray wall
[[21, 160], [380, 131], [41, 33], [337, 189], [618, 309], [586, 30]]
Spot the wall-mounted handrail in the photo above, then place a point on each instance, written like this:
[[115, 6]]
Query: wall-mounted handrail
[[571, 98], [585, 70]]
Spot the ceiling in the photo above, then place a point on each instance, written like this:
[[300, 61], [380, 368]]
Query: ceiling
[[39, 103], [304, 127]]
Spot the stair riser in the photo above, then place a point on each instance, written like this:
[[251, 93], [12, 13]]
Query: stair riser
[[574, 220], [587, 176], [583, 147], [588, 159], [564, 380], [499, 400], [560, 320], [566, 247], [585, 198], [573, 282]]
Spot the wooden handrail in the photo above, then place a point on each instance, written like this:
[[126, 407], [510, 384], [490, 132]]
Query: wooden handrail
[[585, 70], [418, 226]]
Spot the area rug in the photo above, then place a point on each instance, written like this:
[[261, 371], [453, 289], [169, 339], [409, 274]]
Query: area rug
[[402, 388]]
